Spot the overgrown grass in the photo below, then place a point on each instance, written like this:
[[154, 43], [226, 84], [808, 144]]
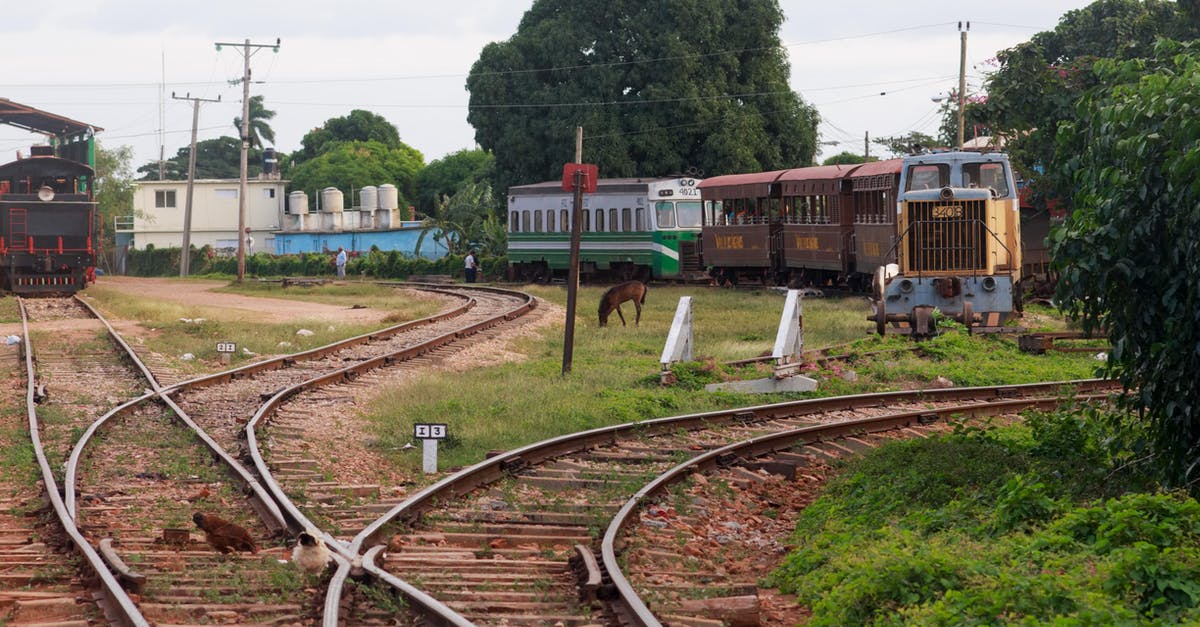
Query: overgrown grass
[[404, 305], [614, 376], [1034, 524]]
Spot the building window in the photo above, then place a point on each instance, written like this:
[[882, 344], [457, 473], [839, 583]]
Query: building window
[[164, 199], [229, 194], [269, 192]]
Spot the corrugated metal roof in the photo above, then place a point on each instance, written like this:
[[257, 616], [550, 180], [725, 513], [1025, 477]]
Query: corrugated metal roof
[[875, 168], [752, 185], [30, 119]]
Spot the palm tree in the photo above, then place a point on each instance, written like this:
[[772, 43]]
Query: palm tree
[[259, 129]]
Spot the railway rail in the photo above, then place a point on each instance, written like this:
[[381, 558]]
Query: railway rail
[[175, 578], [530, 536]]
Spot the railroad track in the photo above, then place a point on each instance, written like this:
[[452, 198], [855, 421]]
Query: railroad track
[[135, 475], [533, 536]]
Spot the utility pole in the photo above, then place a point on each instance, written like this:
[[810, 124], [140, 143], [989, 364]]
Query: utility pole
[[573, 269], [962, 79], [186, 258], [866, 145], [241, 231]]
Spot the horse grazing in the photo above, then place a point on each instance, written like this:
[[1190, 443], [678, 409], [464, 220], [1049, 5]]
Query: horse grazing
[[612, 299]]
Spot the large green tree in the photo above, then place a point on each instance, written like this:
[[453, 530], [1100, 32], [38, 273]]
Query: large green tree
[[1129, 253], [349, 166], [446, 176], [359, 125], [658, 87], [1038, 82]]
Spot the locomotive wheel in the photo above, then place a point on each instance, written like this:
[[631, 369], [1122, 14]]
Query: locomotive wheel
[[880, 318], [968, 317]]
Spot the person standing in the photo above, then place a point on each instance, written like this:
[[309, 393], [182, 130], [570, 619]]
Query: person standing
[[471, 266], [341, 263]]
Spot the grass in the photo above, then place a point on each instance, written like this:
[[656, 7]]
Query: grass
[[614, 375], [1035, 524], [172, 329]]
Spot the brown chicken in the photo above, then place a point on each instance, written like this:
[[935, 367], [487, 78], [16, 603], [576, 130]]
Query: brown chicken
[[223, 535]]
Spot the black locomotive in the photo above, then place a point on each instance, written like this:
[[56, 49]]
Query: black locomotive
[[49, 227]]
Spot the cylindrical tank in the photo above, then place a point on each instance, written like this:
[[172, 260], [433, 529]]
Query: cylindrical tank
[[297, 203], [389, 197], [269, 161], [332, 200], [368, 198]]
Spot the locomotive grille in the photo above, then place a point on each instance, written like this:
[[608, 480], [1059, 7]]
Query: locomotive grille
[[689, 257], [947, 236]]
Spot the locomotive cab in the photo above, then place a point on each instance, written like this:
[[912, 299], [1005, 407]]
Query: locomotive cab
[[958, 244]]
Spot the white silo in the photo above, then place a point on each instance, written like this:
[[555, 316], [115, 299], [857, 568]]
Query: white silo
[[298, 210], [389, 202], [332, 205]]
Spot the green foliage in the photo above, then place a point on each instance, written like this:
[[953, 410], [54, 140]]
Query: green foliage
[[1039, 81], [260, 129], [218, 158], [1127, 255], [114, 194], [641, 80], [844, 157], [985, 527], [350, 166], [358, 126], [465, 220], [446, 176], [911, 143]]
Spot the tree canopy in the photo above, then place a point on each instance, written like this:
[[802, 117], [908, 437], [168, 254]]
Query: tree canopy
[[1129, 253], [1039, 82], [218, 158], [350, 166], [448, 175], [359, 125], [658, 87], [114, 192]]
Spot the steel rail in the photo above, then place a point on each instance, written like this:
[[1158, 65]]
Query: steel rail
[[268, 408], [117, 600], [500, 466], [631, 605]]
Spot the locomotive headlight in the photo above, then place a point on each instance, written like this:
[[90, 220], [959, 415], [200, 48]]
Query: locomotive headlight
[[906, 286], [989, 284], [45, 193]]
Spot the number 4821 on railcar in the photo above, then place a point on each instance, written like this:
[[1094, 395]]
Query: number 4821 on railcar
[[48, 227]]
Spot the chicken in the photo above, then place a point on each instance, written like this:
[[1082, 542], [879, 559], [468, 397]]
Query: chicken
[[310, 555], [223, 535]]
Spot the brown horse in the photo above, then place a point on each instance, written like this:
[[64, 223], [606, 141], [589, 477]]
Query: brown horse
[[612, 299]]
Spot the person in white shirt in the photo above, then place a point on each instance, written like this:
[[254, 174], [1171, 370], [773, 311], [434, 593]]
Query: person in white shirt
[[471, 266], [341, 263]]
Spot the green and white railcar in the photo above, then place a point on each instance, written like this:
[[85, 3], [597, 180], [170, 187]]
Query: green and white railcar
[[639, 228]]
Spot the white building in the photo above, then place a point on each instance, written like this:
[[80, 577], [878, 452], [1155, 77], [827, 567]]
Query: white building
[[159, 207]]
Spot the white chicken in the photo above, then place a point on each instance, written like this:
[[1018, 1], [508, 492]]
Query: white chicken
[[310, 555]]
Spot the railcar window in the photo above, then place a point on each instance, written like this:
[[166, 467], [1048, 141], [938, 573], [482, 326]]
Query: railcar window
[[525, 223], [514, 222], [537, 221], [640, 225], [587, 220], [664, 215], [564, 221], [164, 199], [934, 176], [986, 175], [626, 221], [689, 214], [599, 220], [549, 220], [614, 223]]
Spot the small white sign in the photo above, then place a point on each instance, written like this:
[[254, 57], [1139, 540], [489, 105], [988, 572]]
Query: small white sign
[[226, 347], [429, 431]]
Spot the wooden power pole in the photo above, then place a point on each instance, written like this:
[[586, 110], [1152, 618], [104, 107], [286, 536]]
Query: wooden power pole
[[185, 258], [962, 79]]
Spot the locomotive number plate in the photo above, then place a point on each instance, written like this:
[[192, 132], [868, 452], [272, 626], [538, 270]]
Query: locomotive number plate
[[947, 211]]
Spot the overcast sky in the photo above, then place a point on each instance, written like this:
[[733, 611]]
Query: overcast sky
[[871, 66]]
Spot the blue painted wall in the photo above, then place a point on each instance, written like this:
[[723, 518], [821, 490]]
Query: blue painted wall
[[403, 239]]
